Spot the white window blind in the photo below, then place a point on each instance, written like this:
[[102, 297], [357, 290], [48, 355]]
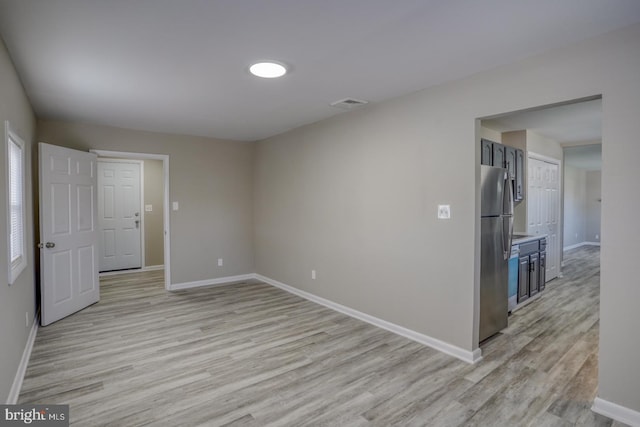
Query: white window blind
[[16, 201]]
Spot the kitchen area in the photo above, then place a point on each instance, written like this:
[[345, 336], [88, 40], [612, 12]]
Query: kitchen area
[[513, 257]]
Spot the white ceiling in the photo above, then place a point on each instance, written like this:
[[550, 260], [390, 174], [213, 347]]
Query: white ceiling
[[181, 66], [581, 121]]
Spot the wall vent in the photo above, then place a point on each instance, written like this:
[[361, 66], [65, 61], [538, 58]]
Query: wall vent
[[348, 103]]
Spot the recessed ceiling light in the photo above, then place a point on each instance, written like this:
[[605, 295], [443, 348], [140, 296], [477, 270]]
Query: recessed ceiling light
[[268, 70]]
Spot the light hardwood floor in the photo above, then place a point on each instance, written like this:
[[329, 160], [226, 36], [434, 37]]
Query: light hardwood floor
[[249, 354]]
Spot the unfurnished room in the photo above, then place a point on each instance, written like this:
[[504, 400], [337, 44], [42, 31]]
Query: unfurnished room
[[322, 213]]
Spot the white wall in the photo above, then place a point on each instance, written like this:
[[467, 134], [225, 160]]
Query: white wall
[[355, 198], [19, 298], [490, 134], [575, 205]]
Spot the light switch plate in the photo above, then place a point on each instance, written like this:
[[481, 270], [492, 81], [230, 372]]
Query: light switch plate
[[175, 206], [444, 211], [148, 208]]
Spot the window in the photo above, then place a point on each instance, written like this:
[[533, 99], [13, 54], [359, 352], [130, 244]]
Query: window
[[15, 156]]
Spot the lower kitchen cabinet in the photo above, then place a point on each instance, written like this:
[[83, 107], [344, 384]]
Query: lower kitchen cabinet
[[523, 279], [531, 271]]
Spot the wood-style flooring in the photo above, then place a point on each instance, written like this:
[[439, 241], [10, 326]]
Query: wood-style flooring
[[250, 354]]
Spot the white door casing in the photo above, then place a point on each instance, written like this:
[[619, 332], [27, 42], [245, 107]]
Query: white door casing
[[543, 207], [68, 232], [119, 214]]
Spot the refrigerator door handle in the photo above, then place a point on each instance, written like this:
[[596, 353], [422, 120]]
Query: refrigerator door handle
[[507, 195], [507, 236], [507, 208]]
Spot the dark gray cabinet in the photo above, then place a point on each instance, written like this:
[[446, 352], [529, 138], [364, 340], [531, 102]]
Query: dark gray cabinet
[[510, 161], [498, 155], [534, 274], [543, 267], [486, 157], [503, 156], [531, 271], [523, 279], [518, 191]]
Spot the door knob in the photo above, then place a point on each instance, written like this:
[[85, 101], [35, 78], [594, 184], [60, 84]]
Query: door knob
[[50, 245], [137, 223]]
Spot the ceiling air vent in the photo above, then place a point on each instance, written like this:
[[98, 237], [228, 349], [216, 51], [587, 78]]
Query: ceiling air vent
[[348, 103]]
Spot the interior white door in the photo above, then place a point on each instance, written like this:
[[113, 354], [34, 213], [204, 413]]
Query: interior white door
[[68, 230], [119, 213], [543, 209]]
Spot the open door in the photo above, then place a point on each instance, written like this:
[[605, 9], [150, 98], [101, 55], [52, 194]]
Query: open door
[[68, 232]]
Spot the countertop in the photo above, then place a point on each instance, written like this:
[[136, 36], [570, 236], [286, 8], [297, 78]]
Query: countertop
[[519, 238]]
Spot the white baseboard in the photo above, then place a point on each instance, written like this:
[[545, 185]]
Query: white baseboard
[[24, 361], [133, 270], [465, 355], [579, 245], [616, 412], [210, 282]]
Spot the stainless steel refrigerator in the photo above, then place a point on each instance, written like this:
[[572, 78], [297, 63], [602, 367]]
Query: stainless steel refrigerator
[[496, 229]]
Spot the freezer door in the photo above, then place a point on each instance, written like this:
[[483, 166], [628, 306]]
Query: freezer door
[[494, 276], [492, 183]]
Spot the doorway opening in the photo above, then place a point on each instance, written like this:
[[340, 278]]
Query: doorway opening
[[561, 145], [547, 138], [143, 240]]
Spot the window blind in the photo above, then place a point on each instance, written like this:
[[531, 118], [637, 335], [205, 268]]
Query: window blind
[[16, 198]]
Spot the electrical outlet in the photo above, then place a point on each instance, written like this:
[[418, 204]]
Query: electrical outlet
[[597, 237], [444, 211], [313, 274], [175, 206], [219, 262]]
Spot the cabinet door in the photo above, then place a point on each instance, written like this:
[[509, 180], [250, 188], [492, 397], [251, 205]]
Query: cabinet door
[[510, 156], [498, 155], [534, 274], [487, 152], [543, 274], [519, 181], [523, 279]]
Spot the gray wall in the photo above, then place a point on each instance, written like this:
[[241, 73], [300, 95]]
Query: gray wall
[[355, 198], [153, 221], [212, 181], [581, 206], [575, 205], [593, 205], [19, 298]]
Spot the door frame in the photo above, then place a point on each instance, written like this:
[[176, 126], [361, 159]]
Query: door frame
[[125, 155], [143, 262], [557, 162]]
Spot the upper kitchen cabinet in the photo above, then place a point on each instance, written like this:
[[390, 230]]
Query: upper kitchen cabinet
[[486, 157], [504, 156], [510, 162], [499, 155], [518, 193]]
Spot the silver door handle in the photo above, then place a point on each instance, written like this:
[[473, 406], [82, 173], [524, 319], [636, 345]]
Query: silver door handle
[[50, 245], [137, 223]]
